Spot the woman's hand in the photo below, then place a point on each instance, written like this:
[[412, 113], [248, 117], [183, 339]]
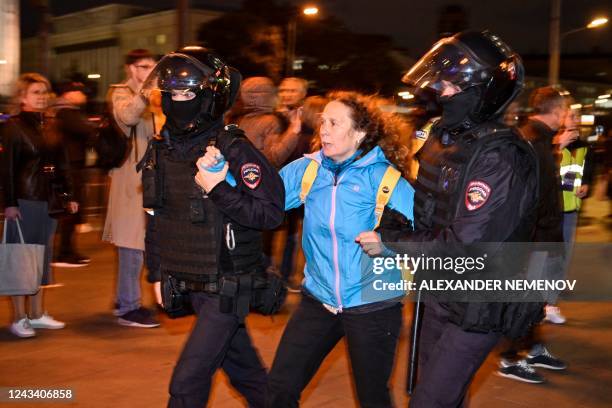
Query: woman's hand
[[370, 243], [209, 179], [73, 207], [12, 213]]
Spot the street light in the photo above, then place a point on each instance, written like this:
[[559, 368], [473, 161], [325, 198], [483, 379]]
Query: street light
[[555, 39], [598, 22], [309, 11]]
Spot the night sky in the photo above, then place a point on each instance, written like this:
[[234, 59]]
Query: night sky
[[412, 24]]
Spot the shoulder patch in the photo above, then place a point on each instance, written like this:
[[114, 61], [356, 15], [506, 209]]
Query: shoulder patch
[[476, 194], [251, 175]]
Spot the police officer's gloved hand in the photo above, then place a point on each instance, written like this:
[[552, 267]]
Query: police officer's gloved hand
[[394, 225]]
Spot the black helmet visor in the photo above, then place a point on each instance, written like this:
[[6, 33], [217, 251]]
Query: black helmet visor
[[446, 62], [180, 73]]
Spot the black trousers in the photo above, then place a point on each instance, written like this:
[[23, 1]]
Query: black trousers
[[67, 223], [312, 332], [217, 340], [448, 359]]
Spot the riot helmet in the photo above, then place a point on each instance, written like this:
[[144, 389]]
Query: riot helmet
[[488, 74], [196, 85]]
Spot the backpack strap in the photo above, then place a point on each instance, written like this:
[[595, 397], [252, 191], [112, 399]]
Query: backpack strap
[[308, 179], [385, 189]]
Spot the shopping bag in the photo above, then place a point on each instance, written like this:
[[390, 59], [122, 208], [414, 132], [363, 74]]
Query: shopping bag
[[21, 265]]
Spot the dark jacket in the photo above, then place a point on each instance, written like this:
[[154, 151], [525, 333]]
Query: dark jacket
[[253, 204], [76, 131], [266, 129], [550, 206], [32, 158], [480, 187]]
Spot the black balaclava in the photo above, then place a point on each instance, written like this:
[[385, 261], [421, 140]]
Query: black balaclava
[[188, 117], [456, 109]]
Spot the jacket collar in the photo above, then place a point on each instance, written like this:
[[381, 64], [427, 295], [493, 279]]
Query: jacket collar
[[375, 155], [542, 131]]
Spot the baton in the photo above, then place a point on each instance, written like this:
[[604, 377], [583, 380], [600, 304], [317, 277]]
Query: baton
[[413, 346]]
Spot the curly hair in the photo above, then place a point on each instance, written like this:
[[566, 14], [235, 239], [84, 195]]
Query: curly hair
[[385, 129]]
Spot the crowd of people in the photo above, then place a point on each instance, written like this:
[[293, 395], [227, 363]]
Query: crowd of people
[[217, 165]]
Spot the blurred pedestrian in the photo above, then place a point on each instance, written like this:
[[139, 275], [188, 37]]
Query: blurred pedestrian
[[33, 157], [77, 134], [291, 92], [550, 109], [271, 133], [125, 218]]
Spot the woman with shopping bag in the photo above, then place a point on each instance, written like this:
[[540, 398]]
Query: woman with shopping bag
[[34, 171]]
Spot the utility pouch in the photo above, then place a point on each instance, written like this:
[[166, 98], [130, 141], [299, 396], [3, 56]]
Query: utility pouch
[[175, 297]]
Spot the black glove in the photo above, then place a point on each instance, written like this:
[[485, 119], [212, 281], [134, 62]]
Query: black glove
[[394, 225]]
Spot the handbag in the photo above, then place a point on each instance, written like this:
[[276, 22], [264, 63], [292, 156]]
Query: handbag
[[21, 265], [57, 199], [111, 145]]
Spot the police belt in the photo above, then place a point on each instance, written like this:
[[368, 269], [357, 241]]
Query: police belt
[[208, 287], [258, 282]]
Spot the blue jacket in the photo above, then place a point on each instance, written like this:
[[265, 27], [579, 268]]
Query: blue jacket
[[337, 209]]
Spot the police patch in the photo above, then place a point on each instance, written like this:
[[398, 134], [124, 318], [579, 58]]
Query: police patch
[[251, 175], [476, 194], [422, 134]]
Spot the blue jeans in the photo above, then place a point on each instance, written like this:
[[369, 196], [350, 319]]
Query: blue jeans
[[570, 220], [128, 280]]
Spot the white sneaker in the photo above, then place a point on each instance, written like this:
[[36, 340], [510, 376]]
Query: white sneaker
[[22, 328], [553, 315], [47, 322]]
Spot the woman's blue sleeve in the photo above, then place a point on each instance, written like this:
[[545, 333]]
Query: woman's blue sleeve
[[292, 179], [402, 199]]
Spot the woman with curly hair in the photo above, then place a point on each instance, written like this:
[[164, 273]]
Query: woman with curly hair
[[358, 144]]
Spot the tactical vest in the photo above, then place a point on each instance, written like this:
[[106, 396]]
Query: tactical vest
[[572, 170], [442, 163], [442, 178], [198, 243]]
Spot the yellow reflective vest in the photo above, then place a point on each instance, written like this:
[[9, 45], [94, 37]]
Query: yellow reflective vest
[[572, 170]]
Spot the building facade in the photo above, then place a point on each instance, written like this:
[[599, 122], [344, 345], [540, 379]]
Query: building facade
[[9, 45], [92, 43]]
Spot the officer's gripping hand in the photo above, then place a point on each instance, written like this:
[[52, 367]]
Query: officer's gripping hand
[[206, 178], [370, 243]]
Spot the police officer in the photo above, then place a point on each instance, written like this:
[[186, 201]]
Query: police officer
[[477, 182], [208, 241]]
